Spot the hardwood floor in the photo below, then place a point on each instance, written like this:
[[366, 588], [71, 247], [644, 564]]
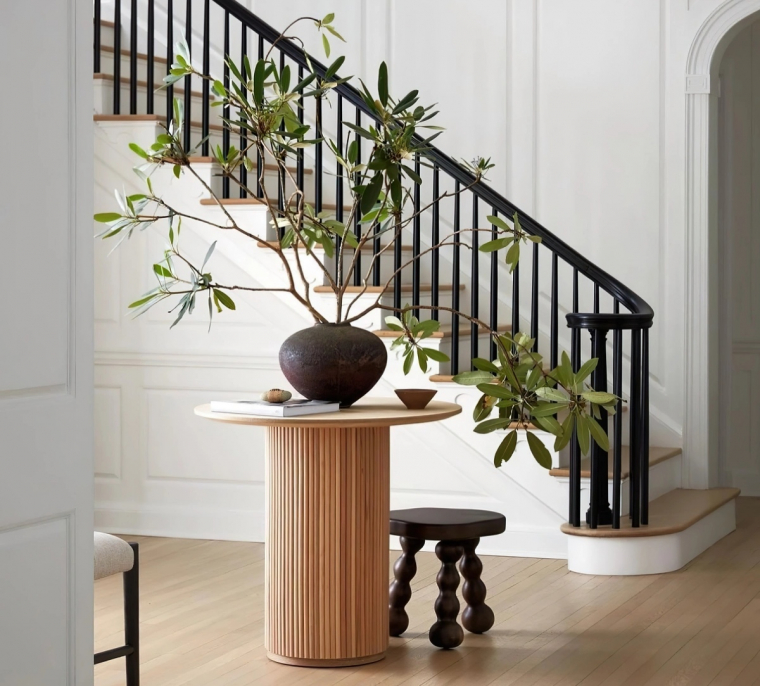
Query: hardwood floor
[[202, 622]]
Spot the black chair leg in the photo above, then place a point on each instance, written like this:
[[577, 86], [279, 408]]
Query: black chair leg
[[446, 633], [132, 619], [400, 592], [477, 617]]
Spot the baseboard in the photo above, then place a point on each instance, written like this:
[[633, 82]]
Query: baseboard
[[649, 554], [197, 523]]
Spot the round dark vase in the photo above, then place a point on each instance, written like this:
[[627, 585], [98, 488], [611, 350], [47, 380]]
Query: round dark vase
[[336, 362]]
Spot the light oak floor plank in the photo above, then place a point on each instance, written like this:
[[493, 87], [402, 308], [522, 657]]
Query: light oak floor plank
[[203, 622]]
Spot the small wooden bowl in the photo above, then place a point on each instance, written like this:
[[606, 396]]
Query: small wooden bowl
[[415, 398]]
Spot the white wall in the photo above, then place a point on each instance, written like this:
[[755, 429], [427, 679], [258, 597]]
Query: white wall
[[581, 106]]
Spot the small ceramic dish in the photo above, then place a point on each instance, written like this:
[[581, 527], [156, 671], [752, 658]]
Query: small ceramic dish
[[415, 398]]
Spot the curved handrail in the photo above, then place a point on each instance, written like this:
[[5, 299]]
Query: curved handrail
[[641, 314]]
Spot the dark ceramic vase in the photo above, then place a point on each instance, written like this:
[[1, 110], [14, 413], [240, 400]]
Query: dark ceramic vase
[[336, 362]]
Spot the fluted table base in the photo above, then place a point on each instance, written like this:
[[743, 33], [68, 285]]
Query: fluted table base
[[327, 545]]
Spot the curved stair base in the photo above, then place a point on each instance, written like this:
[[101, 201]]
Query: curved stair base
[[683, 524]]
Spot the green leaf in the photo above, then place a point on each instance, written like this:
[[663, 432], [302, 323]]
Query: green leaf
[[497, 221], [506, 449], [335, 33], [333, 68], [224, 299], [382, 84], [567, 433], [585, 370], [496, 244], [138, 150], [144, 300], [408, 361], [495, 390], [258, 82], [162, 271], [422, 359], [329, 18], [599, 434], [483, 408], [177, 170], [208, 254], [326, 44], [490, 425], [551, 394], [539, 450], [436, 355], [394, 323], [547, 409], [105, 217], [599, 398], [549, 424], [353, 149], [484, 365], [372, 193], [472, 378]]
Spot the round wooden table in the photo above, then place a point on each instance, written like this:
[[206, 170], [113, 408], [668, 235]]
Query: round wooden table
[[327, 529]]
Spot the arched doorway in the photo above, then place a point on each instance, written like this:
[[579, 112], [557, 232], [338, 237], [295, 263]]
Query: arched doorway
[[702, 350]]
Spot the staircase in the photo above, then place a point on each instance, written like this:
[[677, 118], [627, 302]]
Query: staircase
[[625, 512]]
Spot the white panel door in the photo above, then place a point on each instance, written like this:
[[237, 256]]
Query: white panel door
[[46, 344], [739, 211]]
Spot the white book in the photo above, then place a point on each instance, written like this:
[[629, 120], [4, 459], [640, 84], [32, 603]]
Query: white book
[[261, 408]]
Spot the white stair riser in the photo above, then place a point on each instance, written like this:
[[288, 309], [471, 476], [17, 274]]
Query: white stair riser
[[159, 68]]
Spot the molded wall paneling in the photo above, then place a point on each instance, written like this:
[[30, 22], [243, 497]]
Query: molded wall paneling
[[108, 433]]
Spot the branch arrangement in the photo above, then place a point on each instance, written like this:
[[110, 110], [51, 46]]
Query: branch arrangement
[[266, 110]]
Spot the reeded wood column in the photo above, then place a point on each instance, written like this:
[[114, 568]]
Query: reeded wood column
[[327, 545]]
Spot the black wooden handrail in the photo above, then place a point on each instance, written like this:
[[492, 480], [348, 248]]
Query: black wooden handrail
[[641, 315]]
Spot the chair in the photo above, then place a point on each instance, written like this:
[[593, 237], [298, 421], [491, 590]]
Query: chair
[[458, 533], [114, 556]]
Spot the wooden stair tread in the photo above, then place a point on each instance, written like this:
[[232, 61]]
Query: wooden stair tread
[[668, 514], [443, 332], [125, 80], [405, 288], [127, 53], [317, 247], [656, 455]]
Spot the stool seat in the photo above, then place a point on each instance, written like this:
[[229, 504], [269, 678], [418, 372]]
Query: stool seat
[[446, 524], [112, 555]]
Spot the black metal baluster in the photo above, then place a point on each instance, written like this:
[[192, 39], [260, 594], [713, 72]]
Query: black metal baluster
[[358, 276], [474, 279], [435, 264], [260, 171], [318, 158], [150, 80], [635, 438], [416, 228], [455, 285], [599, 512], [133, 58], [644, 450], [299, 152], [205, 108], [516, 300], [617, 389], [243, 140], [280, 170], [169, 59], [117, 57], [494, 305], [397, 257], [555, 314], [339, 189], [375, 250], [188, 79], [596, 298], [575, 453], [226, 109], [96, 38], [534, 297]]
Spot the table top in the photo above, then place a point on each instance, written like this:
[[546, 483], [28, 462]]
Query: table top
[[366, 412]]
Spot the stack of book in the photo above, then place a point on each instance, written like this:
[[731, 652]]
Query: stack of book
[[261, 408]]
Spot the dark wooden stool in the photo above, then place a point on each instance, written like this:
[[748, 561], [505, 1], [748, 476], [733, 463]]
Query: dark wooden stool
[[458, 533]]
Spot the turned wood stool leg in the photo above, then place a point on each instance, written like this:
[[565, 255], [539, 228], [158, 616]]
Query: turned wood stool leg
[[446, 633], [400, 592], [477, 617]]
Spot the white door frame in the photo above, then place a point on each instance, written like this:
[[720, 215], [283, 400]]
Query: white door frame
[[702, 345]]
